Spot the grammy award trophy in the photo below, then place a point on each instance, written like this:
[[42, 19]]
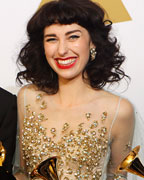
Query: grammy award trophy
[[46, 170], [132, 163], [4, 175]]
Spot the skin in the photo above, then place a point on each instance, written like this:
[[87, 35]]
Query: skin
[[64, 42]]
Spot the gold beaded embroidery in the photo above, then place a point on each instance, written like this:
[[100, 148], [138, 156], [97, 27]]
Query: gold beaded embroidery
[[104, 116], [43, 105], [65, 127], [128, 146], [79, 151], [88, 116], [39, 97]]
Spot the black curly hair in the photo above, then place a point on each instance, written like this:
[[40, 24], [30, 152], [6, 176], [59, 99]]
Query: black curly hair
[[104, 69]]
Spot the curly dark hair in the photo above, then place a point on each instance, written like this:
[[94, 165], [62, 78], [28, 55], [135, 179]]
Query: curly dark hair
[[104, 69]]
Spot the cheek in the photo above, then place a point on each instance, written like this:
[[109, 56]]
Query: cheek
[[84, 51], [48, 51], [48, 54], [83, 46]]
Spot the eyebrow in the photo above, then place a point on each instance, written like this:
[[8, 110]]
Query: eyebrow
[[69, 32]]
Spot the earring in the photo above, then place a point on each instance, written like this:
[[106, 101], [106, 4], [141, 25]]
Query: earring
[[93, 53]]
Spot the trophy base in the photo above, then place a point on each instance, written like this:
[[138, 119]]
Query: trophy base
[[5, 175]]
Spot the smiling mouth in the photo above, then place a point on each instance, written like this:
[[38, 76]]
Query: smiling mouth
[[66, 63]]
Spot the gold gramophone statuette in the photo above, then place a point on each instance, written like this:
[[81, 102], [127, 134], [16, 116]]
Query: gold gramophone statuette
[[2, 154], [46, 170], [132, 164]]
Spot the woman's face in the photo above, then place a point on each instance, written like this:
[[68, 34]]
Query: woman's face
[[67, 49]]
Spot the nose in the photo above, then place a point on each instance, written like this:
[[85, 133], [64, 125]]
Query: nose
[[62, 48]]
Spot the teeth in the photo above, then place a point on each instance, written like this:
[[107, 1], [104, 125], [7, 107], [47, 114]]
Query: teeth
[[66, 62]]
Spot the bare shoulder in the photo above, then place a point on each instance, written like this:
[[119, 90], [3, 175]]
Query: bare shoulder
[[125, 117], [27, 88], [123, 111], [126, 109], [24, 93], [126, 113]]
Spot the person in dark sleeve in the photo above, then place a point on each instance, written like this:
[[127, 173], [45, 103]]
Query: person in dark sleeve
[[8, 126]]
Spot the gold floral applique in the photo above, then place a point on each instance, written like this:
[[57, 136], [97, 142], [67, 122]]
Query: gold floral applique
[[88, 116], [83, 148], [104, 116]]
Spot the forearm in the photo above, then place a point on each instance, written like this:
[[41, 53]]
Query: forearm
[[20, 173], [20, 176], [116, 177]]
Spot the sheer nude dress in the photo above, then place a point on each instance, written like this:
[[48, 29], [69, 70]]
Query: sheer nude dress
[[81, 136]]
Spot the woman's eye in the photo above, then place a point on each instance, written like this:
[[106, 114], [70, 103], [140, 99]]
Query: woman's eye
[[74, 37], [50, 39]]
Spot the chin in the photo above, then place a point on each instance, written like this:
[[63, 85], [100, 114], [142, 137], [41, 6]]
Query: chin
[[70, 76]]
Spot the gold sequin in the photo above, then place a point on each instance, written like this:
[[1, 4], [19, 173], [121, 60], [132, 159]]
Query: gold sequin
[[65, 127], [80, 151], [39, 97], [53, 131], [43, 105], [128, 146], [88, 116], [104, 116]]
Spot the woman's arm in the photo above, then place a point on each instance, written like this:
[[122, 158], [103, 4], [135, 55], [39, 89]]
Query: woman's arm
[[21, 173], [121, 136]]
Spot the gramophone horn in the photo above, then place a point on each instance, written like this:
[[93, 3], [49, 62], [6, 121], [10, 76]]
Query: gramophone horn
[[132, 163], [2, 154], [46, 170]]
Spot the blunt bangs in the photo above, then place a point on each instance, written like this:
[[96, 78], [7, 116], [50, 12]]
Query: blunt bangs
[[67, 12]]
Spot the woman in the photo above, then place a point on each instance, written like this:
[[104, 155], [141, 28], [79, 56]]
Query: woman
[[65, 112]]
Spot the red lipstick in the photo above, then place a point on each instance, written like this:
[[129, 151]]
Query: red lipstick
[[65, 66]]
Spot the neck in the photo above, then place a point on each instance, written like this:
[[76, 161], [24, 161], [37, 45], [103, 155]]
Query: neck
[[72, 92]]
